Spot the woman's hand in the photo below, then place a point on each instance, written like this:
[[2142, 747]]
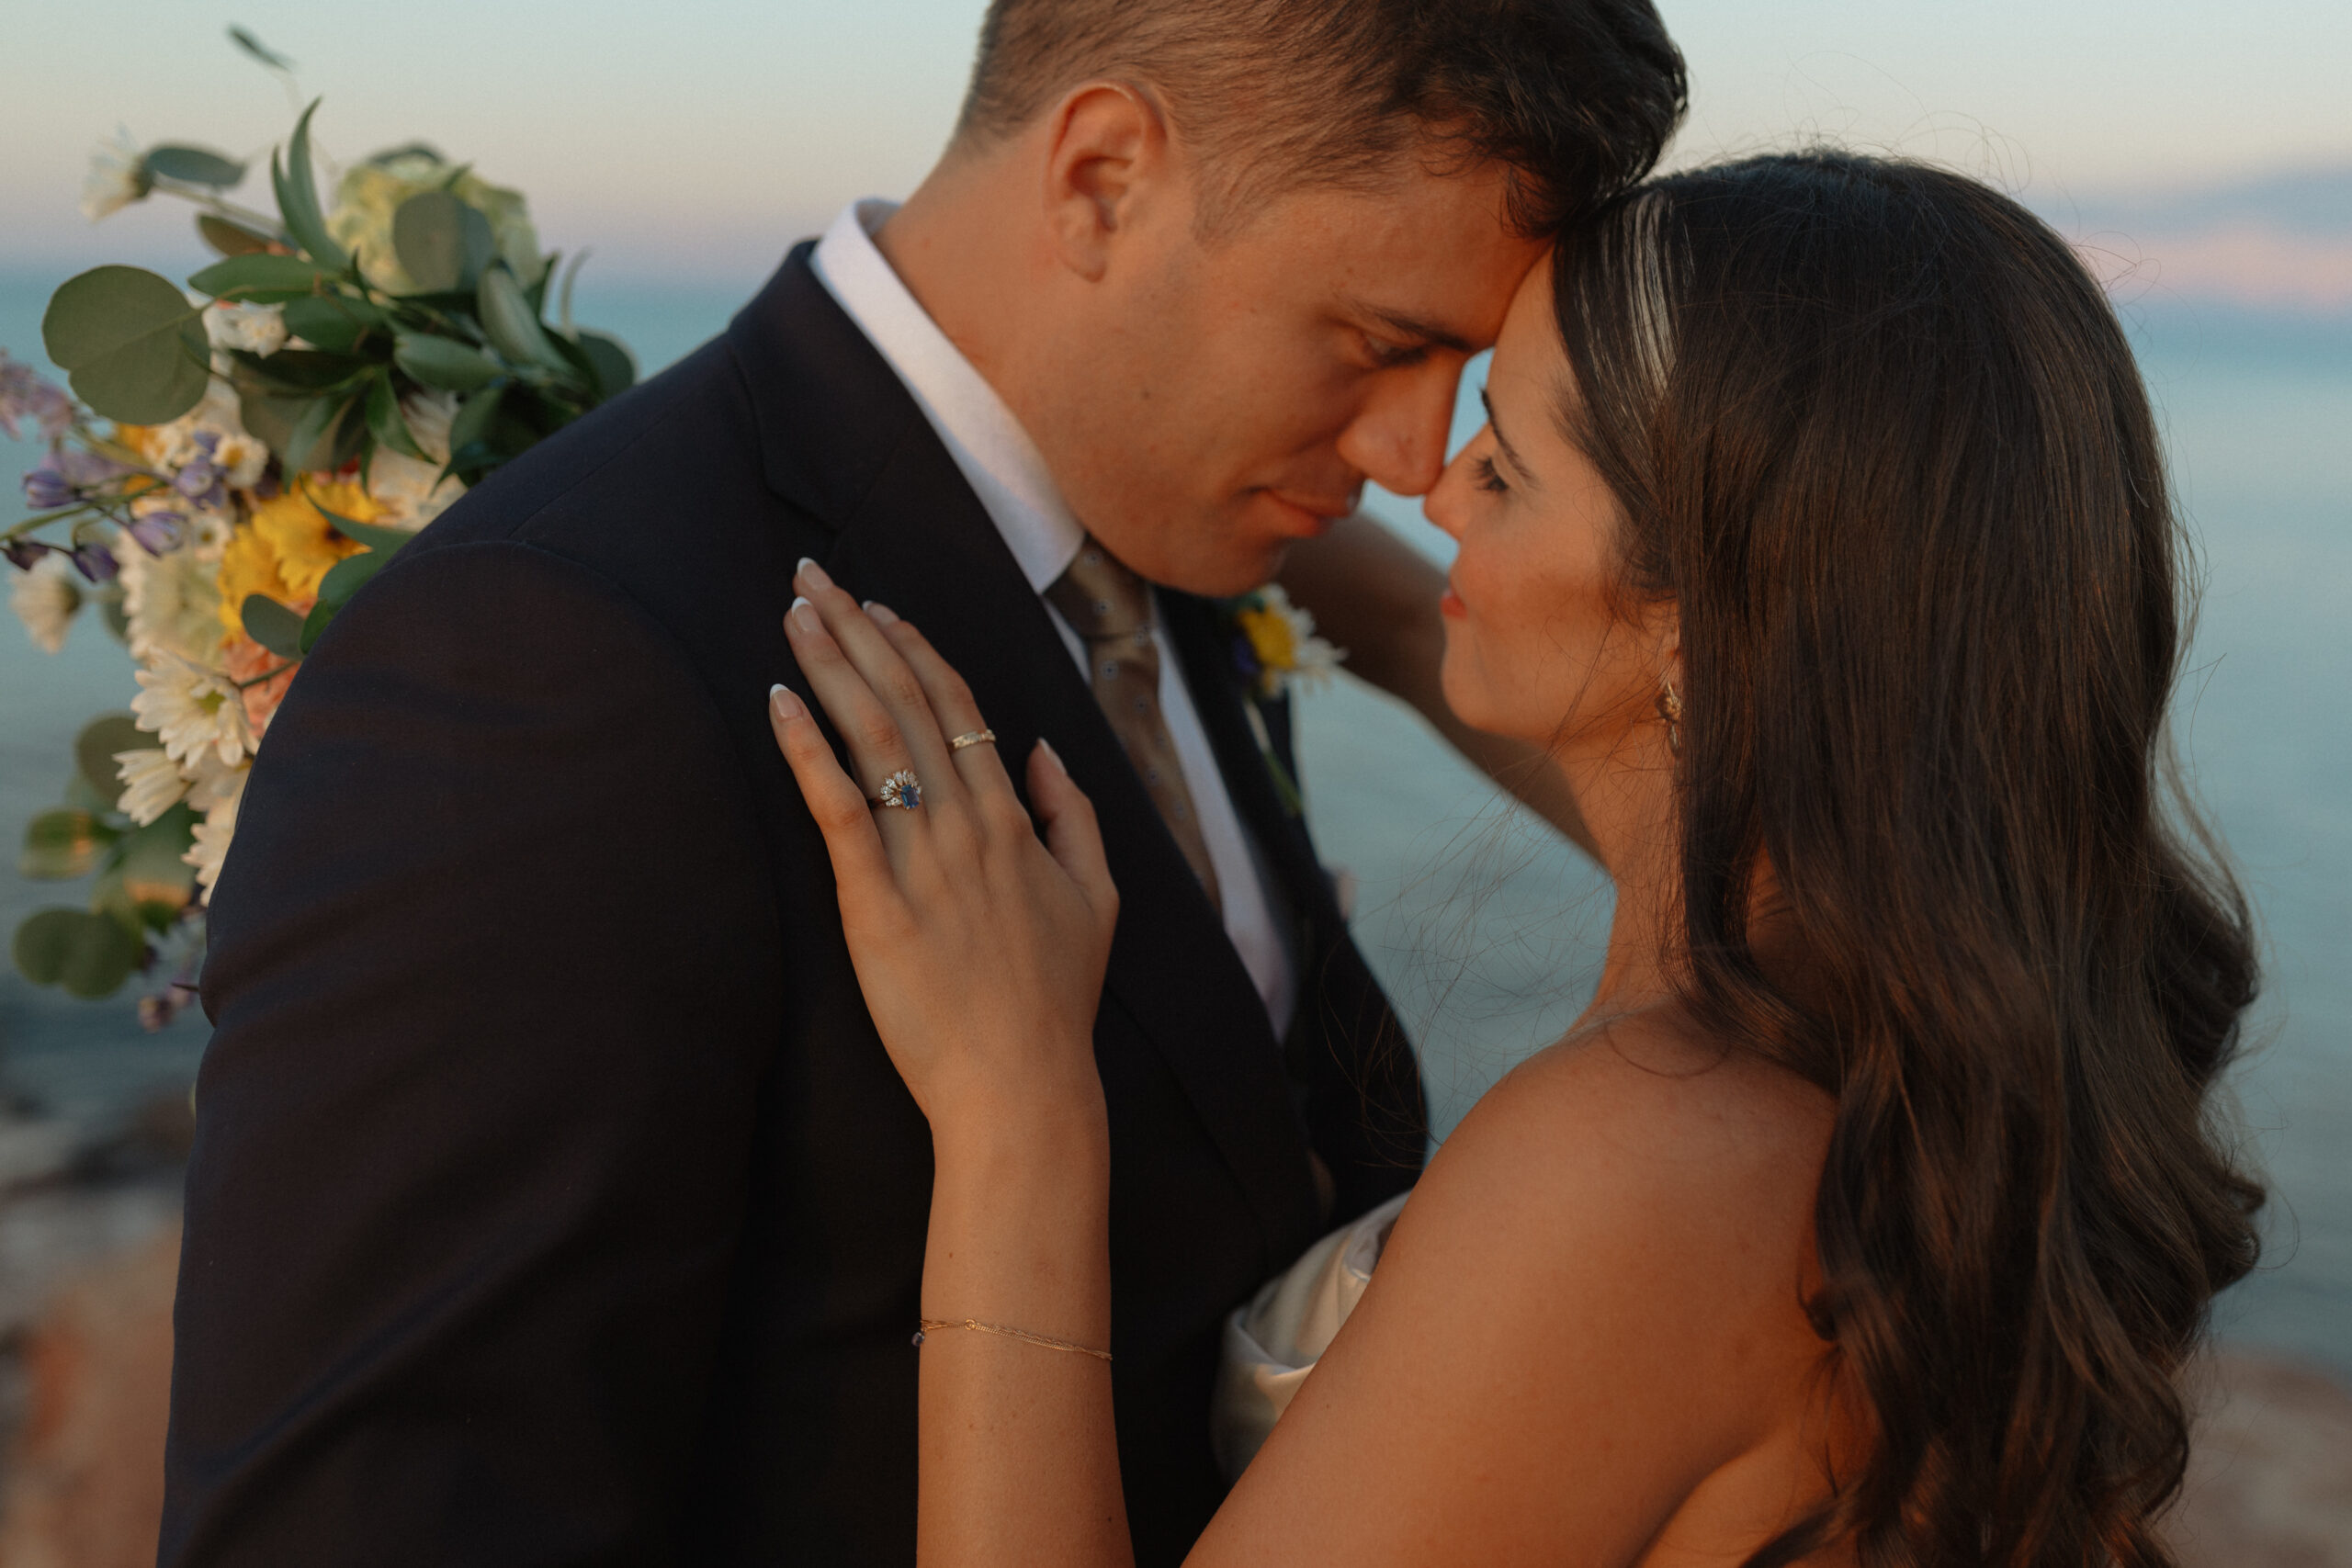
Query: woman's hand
[[981, 949]]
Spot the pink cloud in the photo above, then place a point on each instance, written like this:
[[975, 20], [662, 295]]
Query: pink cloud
[[2249, 264]]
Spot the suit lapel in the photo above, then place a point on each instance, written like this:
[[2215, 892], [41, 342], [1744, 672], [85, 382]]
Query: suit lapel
[[910, 533]]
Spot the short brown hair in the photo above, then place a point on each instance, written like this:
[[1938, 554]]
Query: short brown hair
[[1576, 97]]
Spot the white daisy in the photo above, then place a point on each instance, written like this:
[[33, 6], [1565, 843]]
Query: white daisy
[[213, 834], [240, 460], [152, 784], [172, 601], [193, 711], [256, 329], [46, 599]]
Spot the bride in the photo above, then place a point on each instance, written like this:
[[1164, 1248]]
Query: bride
[[1819, 533]]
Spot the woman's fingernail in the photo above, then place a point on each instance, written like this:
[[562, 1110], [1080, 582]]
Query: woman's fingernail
[[883, 614], [804, 616], [787, 706], [1053, 756], [814, 573]]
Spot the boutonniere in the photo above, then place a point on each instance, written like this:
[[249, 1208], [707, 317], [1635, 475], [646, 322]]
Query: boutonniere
[[1275, 646]]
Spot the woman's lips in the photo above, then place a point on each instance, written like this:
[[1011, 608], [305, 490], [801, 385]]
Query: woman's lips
[[1450, 604]]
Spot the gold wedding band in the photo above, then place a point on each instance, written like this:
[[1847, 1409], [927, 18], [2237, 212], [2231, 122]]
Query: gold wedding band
[[973, 737]]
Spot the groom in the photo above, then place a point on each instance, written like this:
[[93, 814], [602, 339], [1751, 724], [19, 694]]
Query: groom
[[553, 1200]]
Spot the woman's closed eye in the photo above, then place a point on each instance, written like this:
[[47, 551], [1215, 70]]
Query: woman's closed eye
[[1488, 478]]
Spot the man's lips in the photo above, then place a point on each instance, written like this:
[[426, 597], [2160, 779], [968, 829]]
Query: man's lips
[[1311, 516]]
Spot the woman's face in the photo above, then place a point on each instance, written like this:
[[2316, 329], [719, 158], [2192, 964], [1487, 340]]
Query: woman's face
[[1536, 644]]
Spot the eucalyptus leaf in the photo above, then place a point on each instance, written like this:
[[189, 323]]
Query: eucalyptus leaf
[[615, 366], [386, 422], [513, 325], [102, 740], [89, 954], [298, 197], [195, 166], [261, 277], [134, 345], [61, 845], [444, 363], [113, 615], [442, 243], [350, 574], [230, 239], [272, 625]]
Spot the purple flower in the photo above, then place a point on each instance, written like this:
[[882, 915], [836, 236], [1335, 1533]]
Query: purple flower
[[158, 531], [60, 478], [27, 397], [46, 489], [23, 553], [96, 563]]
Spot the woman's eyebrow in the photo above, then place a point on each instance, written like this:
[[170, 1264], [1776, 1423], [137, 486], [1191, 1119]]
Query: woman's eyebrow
[[1503, 441]]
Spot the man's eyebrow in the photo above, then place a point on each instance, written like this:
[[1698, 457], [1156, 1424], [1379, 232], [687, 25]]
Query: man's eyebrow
[[1413, 328], [1503, 441]]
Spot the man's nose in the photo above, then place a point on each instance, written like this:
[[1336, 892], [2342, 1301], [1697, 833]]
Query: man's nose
[[1397, 439]]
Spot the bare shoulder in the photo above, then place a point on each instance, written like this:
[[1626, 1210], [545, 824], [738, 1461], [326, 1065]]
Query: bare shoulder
[[1645, 1108], [1592, 1308]]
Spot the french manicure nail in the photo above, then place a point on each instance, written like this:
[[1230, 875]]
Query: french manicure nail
[[814, 573], [1053, 756], [883, 614], [804, 616], [788, 705]]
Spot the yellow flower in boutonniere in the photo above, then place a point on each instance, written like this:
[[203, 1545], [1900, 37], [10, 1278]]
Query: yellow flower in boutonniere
[[1277, 643]]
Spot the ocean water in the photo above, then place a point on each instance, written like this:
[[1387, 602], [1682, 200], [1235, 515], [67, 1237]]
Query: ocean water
[[1489, 929]]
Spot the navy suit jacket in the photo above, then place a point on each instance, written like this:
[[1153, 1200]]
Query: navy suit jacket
[[553, 1201]]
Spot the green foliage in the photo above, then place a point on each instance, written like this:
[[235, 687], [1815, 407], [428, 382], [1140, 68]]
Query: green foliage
[[513, 325], [229, 239], [253, 47], [101, 741], [135, 348], [195, 166], [61, 845], [151, 882], [272, 625], [444, 363], [261, 278], [337, 324], [615, 366], [441, 244], [89, 954], [298, 198]]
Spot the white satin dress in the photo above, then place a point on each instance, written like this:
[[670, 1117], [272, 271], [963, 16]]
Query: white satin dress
[[1273, 1342]]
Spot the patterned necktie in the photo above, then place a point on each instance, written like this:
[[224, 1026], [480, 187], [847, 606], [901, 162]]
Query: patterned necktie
[[1110, 609]]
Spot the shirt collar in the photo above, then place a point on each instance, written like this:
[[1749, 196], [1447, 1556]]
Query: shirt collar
[[997, 458]]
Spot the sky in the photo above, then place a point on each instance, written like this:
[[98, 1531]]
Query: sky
[[698, 139]]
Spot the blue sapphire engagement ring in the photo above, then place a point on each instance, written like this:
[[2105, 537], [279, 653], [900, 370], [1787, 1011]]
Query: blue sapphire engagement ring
[[901, 791]]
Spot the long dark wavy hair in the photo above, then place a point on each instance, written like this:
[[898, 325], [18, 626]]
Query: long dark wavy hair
[[1878, 436]]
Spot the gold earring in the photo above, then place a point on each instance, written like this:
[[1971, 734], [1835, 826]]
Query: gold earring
[[1670, 708]]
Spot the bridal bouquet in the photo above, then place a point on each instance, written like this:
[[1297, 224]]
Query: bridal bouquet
[[232, 464]]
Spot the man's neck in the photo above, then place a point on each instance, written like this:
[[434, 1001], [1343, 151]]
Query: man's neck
[[948, 245]]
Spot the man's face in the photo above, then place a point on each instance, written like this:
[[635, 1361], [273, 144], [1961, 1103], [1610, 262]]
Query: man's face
[[1228, 398]]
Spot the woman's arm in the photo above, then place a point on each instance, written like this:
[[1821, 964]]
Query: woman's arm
[[1377, 596]]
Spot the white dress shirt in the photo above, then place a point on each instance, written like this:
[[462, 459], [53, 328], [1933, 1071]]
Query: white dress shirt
[[1008, 473]]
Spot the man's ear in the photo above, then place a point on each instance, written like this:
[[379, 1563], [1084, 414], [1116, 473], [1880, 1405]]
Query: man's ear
[[1107, 157]]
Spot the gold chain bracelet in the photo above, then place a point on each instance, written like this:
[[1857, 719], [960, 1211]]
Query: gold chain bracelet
[[927, 1324]]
